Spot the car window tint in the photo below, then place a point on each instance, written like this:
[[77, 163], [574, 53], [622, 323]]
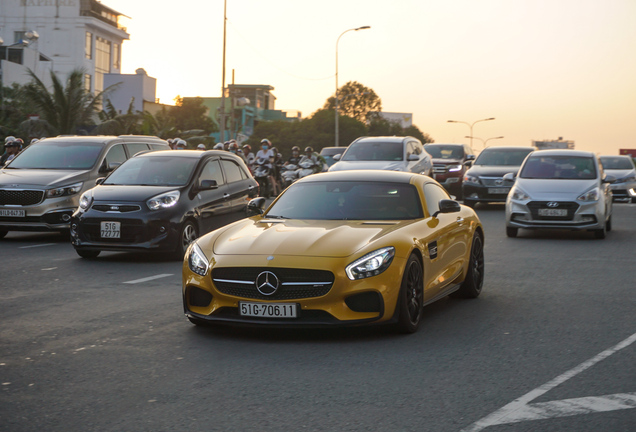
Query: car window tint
[[496, 157], [618, 162], [440, 151], [212, 171], [433, 194], [159, 147], [134, 148], [374, 151], [232, 171], [116, 155], [559, 167], [153, 171], [58, 155]]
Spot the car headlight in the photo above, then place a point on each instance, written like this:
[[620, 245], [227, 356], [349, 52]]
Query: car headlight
[[197, 261], [519, 195], [64, 190], [371, 264], [454, 168], [626, 179], [591, 195], [471, 179], [85, 200], [163, 201]]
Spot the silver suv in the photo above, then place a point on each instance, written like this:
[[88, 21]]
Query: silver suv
[[40, 188]]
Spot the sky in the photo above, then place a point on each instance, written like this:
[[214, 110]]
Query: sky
[[543, 69]]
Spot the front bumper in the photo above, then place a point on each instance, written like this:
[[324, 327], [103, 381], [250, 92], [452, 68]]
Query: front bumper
[[478, 193], [624, 191], [325, 310], [580, 216], [47, 214]]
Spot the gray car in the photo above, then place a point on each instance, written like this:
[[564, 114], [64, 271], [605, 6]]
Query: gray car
[[623, 170], [40, 188], [385, 153], [560, 189]]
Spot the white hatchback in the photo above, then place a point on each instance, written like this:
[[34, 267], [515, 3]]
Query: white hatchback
[[560, 189]]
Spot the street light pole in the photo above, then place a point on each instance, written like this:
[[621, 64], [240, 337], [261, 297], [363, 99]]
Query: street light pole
[[222, 116], [482, 141], [336, 101], [470, 125]]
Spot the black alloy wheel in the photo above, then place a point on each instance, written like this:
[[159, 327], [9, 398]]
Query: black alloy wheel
[[471, 287], [88, 254], [411, 297]]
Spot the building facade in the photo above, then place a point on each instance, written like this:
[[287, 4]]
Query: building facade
[[553, 144], [70, 34]]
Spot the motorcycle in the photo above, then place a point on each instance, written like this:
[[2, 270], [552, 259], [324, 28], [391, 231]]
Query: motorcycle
[[307, 167], [289, 174], [262, 171]]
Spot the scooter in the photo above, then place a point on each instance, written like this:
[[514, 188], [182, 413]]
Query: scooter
[[261, 173], [307, 167], [289, 174]]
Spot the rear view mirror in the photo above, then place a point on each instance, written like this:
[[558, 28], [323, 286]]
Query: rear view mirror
[[470, 157], [337, 157], [510, 177], [413, 158], [100, 181], [609, 178], [447, 206], [255, 206], [468, 163]]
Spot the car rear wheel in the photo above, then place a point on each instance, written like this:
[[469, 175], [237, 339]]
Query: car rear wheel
[[512, 232], [608, 224], [88, 254], [471, 287], [3, 233], [188, 234], [411, 299]]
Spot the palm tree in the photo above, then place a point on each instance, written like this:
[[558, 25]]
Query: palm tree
[[66, 107]]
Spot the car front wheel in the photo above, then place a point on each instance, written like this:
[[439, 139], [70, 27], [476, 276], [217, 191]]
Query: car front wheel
[[88, 254], [411, 299], [188, 234], [3, 233], [512, 232], [471, 287]]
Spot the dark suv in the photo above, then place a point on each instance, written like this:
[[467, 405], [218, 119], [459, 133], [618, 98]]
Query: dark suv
[[450, 162], [40, 188]]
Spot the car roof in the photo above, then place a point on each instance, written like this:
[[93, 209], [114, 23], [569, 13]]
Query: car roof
[[616, 156], [361, 175], [100, 139], [397, 139], [508, 148], [562, 152], [192, 154]]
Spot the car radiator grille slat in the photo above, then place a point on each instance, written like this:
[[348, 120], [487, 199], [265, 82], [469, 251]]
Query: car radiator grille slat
[[21, 197]]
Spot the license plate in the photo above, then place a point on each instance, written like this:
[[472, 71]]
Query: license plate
[[13, 213], [498, 191], [110, 230], [268, 310], [553, 212]]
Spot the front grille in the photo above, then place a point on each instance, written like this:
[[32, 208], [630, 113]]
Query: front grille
[[495, 182], [131, 231], [440, 168], [118, 208], [20, 197], [571, 208], [293, 283]]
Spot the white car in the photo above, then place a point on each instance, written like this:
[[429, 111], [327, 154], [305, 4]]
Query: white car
[[385, 153], [560, 189], [622, 168]]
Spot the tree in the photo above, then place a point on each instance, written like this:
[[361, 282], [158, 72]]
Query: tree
[[114, 123], [355, 101], [382, 127], [190, 114], [67, 107]]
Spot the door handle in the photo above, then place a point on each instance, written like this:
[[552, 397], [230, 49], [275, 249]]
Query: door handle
[[226, 196], [460, 221]]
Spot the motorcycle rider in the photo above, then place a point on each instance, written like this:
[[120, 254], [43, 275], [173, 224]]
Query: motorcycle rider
[[234, 148], [12, 148], [267, 154], [316, 159], [295, 156], [248, 155]]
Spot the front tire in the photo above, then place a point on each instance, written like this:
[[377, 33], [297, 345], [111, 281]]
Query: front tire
[[3, 233], [88, 254], [187, 235], [512, 232], [411, 299], [472, 285], [608, 224]]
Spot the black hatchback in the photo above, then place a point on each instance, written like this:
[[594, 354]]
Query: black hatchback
[[162, 201]]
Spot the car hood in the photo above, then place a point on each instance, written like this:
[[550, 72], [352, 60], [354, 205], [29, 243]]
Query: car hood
[[333, 239], [547, 190], [492, 170], [121, 193], [41, 178], [619, 173], [365, 165], [441, 161]]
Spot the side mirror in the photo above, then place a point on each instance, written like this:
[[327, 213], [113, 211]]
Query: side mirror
[[208, 184], [470, 157], [413, 158], [510, 177], [337, 157], [447, 206], [99, 181], [468, 163], [609, 178], [255, 206]]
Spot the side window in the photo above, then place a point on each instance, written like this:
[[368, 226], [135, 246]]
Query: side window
[[159, 147], [116, 155], [232, 171], [212, 171], [135, 148], [418, 149], [433, 195]]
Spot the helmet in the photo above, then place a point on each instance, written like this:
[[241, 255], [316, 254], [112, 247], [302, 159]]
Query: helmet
[[201, 146], [309, 149], [295, 148], [9, 139], [18, 142], [248, 147], [218, 146], [181, 143], [265, 141], [234, 146], [34, 140]]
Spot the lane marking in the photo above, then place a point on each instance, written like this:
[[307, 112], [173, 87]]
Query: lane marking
[[35, 246], [149, 278], [508, 413]]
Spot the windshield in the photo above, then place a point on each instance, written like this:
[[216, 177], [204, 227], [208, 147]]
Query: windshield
[[559, 167], [438, 151], [374, 151], [620, 163], [498, 157], [58, 155], [348, 201], [153, 171]]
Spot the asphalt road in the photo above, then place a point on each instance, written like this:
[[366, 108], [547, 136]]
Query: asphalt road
[[103, 346]]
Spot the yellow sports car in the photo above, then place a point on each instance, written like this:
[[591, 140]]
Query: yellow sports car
[[341, 248]]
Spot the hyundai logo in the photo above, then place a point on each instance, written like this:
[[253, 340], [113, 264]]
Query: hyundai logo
[[552, 204], [267, 283], [114, 207], [499, 182]]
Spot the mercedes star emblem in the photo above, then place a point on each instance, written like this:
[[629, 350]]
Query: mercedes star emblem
[[267, 283]]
